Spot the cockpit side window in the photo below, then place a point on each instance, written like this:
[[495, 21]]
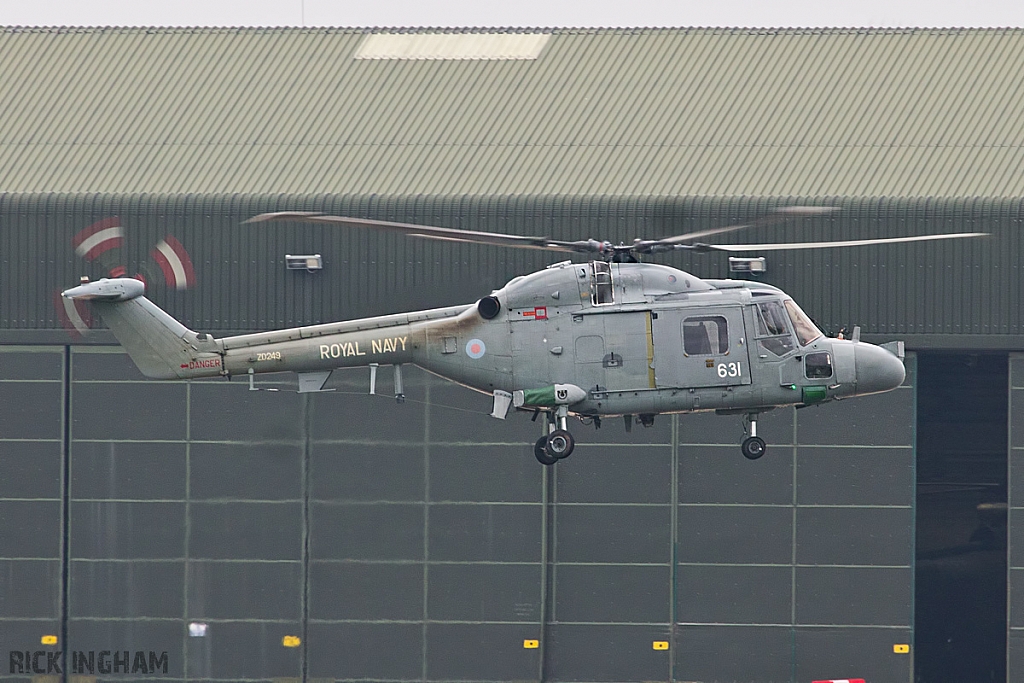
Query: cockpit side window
[[772, 319], [806, 332], [772, 329], [602, 292]]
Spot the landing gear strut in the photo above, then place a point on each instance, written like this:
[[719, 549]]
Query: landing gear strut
[[558, 443], [753, 446]]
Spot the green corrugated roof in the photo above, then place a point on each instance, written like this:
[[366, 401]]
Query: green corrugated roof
[[691, 112]]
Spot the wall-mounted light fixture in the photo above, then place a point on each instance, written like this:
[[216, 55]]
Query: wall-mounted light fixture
[[310, 263], [747, 265]]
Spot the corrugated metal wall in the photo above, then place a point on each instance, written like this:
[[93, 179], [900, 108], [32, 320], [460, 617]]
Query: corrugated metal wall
[[698, 112], [957, 293]]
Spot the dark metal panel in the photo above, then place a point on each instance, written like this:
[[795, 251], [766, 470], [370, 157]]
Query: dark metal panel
[[29, 589], [867, 596], [1015, 532], [125, 590], [824, 653], [486, 592], [612, 593], [723, 594], [126, 530], [490, 652], [359, 651], [642, 474], [381, 531], [34, 365], [613, 533], [863, 476], [482, 532], [31, 469], [244, 590], [230, 412], [352, 472], [30, 410], [245, 530], [142, 411], [139, 471], [734, 653], [712, 474], [253, 471], [233, 650], [584, 652], [735, 534], [836, 535], [478, 473], [365, 591], [30, 528]]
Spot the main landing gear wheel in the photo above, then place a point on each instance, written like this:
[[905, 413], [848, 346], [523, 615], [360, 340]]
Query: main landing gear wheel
[[540, 452], [551, 448], [560, 444], [753, 447]]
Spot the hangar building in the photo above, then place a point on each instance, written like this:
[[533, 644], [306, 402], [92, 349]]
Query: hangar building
[[254, 535]]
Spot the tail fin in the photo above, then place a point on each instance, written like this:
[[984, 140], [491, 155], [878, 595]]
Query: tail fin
[[158, 344]]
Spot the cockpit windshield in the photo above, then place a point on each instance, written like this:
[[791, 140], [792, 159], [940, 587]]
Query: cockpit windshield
[[806, 331]]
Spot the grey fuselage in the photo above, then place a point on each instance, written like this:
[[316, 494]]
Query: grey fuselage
[[637, 337]]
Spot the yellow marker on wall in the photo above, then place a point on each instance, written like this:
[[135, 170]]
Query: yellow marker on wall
[[660, 645], [291, 641], [901, 648], [531, 644], [48, 640]]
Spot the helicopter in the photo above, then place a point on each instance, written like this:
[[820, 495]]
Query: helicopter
[[608, 337]]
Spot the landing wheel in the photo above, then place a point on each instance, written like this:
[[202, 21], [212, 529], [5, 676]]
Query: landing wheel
[[753, 447], [541, 454], [559, 444]]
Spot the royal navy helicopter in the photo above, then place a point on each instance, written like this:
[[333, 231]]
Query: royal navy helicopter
[[607, 337]]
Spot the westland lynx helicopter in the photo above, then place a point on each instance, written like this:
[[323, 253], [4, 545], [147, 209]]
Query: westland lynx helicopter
[[609, 337]]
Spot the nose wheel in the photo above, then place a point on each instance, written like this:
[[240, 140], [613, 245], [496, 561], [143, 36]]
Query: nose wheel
[[753, 447], [558, 443]]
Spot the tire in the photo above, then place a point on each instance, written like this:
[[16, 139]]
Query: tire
[[541, 454], [753, 447], [559, 444]]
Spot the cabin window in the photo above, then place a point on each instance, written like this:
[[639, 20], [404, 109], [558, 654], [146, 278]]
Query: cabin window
[[806, 332], [771, 317], [602, 292], [818, 365], [706, 335]]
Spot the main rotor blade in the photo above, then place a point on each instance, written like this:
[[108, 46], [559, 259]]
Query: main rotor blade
[[779, 246], [431, 232], [777, 216]]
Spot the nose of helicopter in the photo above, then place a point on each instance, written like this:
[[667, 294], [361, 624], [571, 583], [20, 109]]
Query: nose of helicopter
[[877, 369]]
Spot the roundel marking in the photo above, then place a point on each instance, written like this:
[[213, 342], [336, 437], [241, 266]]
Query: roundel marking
[[475, 348]]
